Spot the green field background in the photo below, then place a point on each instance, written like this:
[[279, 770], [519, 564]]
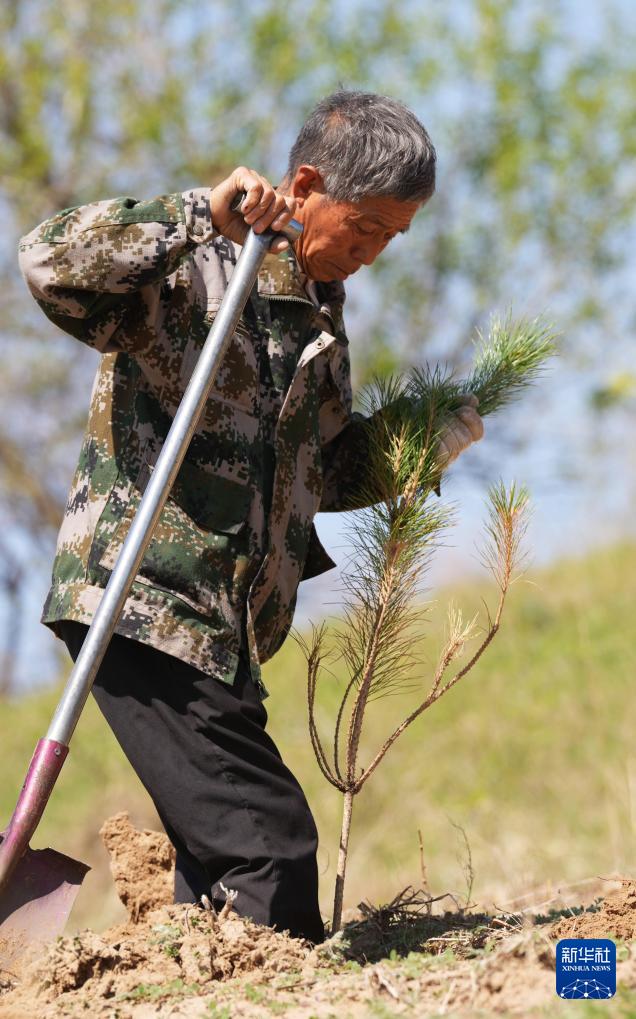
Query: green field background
[[533, 755]]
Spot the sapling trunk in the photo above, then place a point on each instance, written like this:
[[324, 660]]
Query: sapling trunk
[[392, 546], [347, 810]]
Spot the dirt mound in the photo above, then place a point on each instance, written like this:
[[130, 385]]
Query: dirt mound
[[171, 948], [142, 865], [614, 918]]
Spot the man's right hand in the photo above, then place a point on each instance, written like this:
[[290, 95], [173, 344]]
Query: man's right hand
[[261, 208]]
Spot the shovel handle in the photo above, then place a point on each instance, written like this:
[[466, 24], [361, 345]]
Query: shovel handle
[[45, 766], [291, 231]]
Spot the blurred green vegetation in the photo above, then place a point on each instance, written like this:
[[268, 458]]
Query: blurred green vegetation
[[529, 105], [532, 755]]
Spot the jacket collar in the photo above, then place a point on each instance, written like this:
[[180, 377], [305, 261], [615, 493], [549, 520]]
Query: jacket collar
[[280, 276]]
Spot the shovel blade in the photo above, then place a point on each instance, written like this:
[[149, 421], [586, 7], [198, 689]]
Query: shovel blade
[[35, 905]]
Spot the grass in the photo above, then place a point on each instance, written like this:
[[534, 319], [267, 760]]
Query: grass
[[532, 755], [155, 992], [214, 1011]]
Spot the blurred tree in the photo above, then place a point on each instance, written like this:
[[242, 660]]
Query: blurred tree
[[529, 104]]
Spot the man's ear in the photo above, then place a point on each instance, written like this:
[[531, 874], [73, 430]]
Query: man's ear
[[306, 180]]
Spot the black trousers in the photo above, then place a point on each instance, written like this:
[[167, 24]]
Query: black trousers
[[233, 811]]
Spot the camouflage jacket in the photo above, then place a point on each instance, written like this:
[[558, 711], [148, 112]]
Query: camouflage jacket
[[141, 282]]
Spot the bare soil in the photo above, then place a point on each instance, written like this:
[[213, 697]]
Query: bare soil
[[399, 960], [616, 918]]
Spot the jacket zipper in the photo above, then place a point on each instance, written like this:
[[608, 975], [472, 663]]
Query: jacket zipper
[[299, 300], [289, 297]]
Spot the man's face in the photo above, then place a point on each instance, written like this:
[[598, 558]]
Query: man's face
[[340, 237]]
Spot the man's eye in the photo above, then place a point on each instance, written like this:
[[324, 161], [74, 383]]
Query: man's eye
[[361, 230]]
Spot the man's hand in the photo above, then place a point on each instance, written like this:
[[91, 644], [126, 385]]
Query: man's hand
[[261, 208], [464, 427]]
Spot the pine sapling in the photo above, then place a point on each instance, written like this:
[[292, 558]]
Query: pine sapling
[[392, 540]]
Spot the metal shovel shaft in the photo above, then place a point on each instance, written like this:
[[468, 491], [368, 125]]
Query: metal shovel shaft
[[80, 681]]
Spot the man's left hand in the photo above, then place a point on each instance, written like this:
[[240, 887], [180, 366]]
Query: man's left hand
[[462, 429]]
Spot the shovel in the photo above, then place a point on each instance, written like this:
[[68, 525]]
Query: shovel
[[38, 887]]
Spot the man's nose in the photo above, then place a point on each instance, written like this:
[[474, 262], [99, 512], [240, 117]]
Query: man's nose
[[367, 253]]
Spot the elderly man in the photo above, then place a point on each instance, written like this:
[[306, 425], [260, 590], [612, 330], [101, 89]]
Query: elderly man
[[140, 282]]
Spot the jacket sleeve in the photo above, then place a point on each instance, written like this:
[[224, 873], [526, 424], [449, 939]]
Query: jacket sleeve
[[346, 466], [347, 483], [86, 265]]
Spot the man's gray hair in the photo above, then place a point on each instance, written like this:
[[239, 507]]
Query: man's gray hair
[[366, 146]]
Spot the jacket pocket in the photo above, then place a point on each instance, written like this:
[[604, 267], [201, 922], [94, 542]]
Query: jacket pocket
[[198, 540]]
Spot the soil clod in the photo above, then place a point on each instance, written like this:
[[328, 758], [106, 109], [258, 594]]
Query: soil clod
[[142, 865], [615, 917]]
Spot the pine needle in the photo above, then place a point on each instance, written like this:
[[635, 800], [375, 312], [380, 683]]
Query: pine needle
[[510, 359], [505, 530]]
